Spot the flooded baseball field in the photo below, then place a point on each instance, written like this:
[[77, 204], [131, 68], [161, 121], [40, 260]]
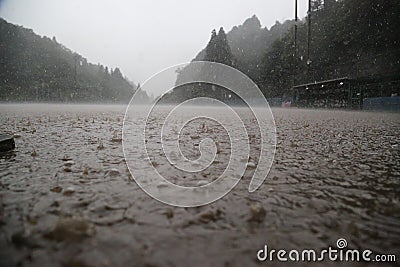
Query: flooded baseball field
[[67, 197]]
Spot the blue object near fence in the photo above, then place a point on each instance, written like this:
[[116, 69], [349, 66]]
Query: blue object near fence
[[382, 103]]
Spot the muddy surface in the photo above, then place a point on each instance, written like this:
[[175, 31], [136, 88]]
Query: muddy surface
[[67, 197]]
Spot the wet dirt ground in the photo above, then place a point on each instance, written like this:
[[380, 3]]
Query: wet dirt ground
[[67, 197]]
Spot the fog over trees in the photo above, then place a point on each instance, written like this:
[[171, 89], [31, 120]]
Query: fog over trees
[[35, 68], [349, 38]]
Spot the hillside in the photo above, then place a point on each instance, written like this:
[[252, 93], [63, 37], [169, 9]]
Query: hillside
[[248, 43], [35, 68], [349, 38]]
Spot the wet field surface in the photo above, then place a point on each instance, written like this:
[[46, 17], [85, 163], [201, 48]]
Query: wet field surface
[[67, 197]]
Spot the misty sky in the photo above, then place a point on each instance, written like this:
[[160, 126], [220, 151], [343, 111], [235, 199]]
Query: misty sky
[[142, 37]]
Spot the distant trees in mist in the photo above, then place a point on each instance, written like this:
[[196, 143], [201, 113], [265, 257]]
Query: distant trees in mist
[[35, 68], [353, 38]]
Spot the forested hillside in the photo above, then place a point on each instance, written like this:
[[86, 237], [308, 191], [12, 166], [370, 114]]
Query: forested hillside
[[349, 38], [35, 68], [248, 43], [217, 50]]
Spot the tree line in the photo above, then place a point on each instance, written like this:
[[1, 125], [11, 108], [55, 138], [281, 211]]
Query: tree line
[[349, 38], [35, 68]]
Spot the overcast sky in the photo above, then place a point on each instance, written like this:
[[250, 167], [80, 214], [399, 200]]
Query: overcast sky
[[141, 37]]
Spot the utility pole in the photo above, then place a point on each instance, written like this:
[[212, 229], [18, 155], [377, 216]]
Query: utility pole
[[75, 92], [295, 44], [309, 40]]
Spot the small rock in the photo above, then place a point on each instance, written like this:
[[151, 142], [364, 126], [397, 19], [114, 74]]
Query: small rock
[[69, 191], [218, 148], [116, 137], [251, 164], [31, 219], [162, 184], [113, 172], [55, 204], [6, 142], [69, 163], [65, 158], [195, 137], [100, 146], [155, 164], [33, 153], [202, 183], [67, 169], [71, 229], [20, 239], [85, 170], [56, 189], [257, 213], [169, 213], [210, 215]]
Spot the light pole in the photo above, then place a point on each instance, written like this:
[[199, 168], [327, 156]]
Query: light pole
[[309, 39], [295, 43]]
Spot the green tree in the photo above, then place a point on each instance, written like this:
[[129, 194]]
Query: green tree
[[218, 49]]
